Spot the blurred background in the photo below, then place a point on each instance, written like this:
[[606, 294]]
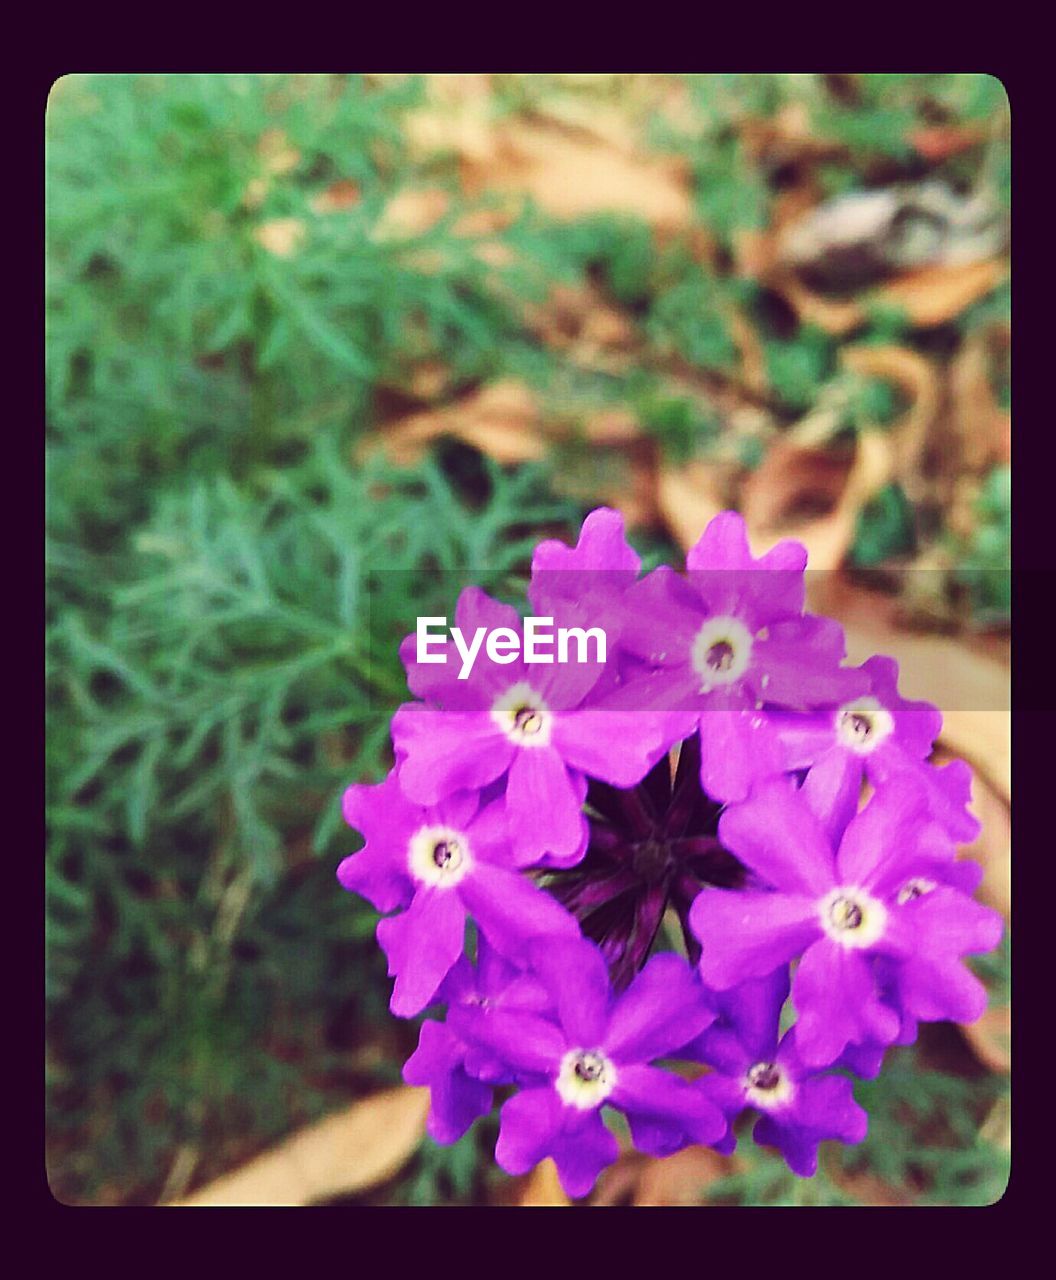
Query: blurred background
[[322, 349]]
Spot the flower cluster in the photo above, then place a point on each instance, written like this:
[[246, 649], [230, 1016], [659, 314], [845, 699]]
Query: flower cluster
[[701, 788]]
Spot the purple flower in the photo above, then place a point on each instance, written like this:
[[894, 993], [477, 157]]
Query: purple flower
[[594, 575], [753, 840], [602, 548], [846, 893], [729, 643], [460, 1077], [799, 1106], [594, 1052], [435, 864], [879, 735], [535, 726], [456, 1099], [651, 848]]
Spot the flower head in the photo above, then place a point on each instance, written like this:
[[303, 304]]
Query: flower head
[[707, 772], [729, 643], [436, 864], [843, 897], [798, 1105], [651, 847], [876, 736], [594, 1050], [460, 1076], [536, 728]]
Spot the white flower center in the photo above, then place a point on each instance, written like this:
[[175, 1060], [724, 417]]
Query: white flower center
[[439, 856], [523, 716], [915, 888], [721, 651], [585, 1079], [767, 1086], [852, 917], [863, 724]]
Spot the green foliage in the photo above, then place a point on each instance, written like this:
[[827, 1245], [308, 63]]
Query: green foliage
[[924, 1133], [798, 366], [203, 722], [689, 317], [176, 340], [683, 426], [885, 528], [984, 564], [620, 251]]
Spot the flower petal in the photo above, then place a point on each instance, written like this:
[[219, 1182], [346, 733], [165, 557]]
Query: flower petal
[[422, 945], [838, 1002], [661, 1095], [748, 935], [511, 909], [523, 1040], [529, 1123], [575, 974], [456, 1100], [884, 838], [442, 752], [737, 748], [777, 834], [663, 1009], [543, 805], [619, 747], [581, 1149]]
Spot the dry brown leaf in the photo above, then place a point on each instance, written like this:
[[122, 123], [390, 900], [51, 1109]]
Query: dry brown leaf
[[340, 1155], [978, 427], [793, 485], [612, 427], [606, 123], [339, 196], [543, 1187], [277, 154], [837, 317], [781, 498], [504, 421], [991, 1038], [789, 137], [689, 496], [570, 176], [281, 236], [501, 420], [681, 1179], [934, 295], [576, 319], [790, 476], [945, 140], [485, 222], [411, 212], [429, 379], [457, 116], [617, 1183], [928, 296], [753, 358], [917, 379]]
